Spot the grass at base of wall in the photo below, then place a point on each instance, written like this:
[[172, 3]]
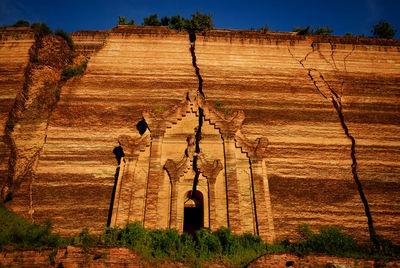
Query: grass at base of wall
[[221, 246]]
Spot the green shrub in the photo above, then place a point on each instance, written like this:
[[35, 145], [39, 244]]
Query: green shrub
[[159, 109], [124, 21], [329, 240], [51, 257], [218, 104], [86, 240], [264, 29], [111, 236], [84, 64], [165, 21], [323, 31], [151, 20], [176, 22], [21, 23], [41, 28], [199, 23], [70, 71], [66, 37], [208, 244], [302, 30], [310, 31], [240, 250], [17, 233], [388, 248], [383, 30]]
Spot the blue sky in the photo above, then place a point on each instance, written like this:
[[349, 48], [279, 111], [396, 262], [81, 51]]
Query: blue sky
[[355, 16]]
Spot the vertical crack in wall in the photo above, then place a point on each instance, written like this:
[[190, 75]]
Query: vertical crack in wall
[[200, 113], [337, 104]]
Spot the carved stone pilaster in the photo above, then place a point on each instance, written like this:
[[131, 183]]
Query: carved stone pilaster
[[262, 205], [126, 177], [210, 170], [175, 171], [256, 151], [153, 183]]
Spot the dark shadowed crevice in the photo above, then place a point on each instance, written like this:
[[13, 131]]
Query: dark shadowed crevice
[[372, 233], [141, 126], [196, 169], [119, 153], [110, 210], [254, 197]]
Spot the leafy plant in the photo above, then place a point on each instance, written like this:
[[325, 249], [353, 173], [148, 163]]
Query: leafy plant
[[329, 240], [84, 64], [219, 105], [151, 20], [176, 22], [159, 109], [323, 31], [86, 240], [52, 256], [66, 37], [165, 21], [17, 233], [383, 30], [21, 23], [124, 21], [70, 71], [41, 28], [207, 244], [264, 29], [302, 30], [199, 23]]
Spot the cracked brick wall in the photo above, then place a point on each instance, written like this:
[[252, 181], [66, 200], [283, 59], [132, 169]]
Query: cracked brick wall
[[309, 158]]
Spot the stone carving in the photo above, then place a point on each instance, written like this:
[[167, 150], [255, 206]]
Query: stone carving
[[177, 169], [257, 149], [210, 169], [133, 147], [218, 170]]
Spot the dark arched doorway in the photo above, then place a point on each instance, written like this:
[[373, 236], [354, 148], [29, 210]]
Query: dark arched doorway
[[193, 216]]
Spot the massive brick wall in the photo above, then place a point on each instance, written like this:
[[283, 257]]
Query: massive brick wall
[[14, 57], [283, 84]]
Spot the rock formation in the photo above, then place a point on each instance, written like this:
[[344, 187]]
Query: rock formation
[[298, 93]]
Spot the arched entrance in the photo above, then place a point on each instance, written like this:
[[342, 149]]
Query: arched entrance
[[193, 214]]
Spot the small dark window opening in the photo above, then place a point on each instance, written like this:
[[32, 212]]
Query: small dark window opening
[[141, 126]]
